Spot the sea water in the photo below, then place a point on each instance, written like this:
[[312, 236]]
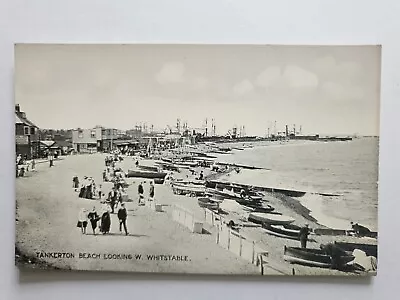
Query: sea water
[[348, 169]]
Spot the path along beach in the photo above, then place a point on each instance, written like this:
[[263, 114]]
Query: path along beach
[[47, 212]]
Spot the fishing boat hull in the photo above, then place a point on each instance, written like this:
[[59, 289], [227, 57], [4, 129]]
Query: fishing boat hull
[[312, 257], [370, 250], [206, 202], [168, 166], [275, 219], [221, 194], [148, 168], [286, 231], [286, 192], [146, 174], [191, 189], [158, 180], [258, 207]]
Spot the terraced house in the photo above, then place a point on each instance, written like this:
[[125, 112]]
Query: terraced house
[[26, 134]]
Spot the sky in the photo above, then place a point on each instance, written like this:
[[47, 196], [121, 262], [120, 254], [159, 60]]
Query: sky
[[327, 90]]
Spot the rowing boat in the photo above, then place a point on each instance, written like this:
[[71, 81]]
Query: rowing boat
[[168, 166], [231, 194], [258, 207], [312, 257], [369, 249], [148, 168], [209, 203], [269, 218], [146, 174], [286, 231], [192, 189]]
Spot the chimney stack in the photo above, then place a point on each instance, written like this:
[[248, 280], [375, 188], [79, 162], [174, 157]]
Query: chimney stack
[[17, 108]]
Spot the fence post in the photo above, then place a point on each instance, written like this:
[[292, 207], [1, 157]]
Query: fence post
[[254, 250], [229, 239], [240, 245], [262, 264], [218, 235]]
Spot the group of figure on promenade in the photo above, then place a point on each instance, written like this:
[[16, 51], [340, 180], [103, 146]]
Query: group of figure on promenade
[[93, 218], [23, 164], [114, 199], [88, 188]]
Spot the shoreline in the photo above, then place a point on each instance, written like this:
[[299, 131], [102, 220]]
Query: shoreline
[[149, 223]]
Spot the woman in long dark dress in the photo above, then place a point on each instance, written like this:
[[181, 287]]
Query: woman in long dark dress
[[82, 192], [105, 222], [93, 218]]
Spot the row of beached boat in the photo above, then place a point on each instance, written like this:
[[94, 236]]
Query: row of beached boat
[[345, 256]]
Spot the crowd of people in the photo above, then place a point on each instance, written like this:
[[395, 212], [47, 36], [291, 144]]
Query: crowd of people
[[94, 218], [88, 188], [112, 199]]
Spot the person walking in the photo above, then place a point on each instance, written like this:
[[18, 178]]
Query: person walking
[[93, 218], [51, 159], [151, 191], [82, 220], [75, 182], [100, 191], [122, 215], [105, 222], [33, 167], [140, 192], [303, 235], [113, 199]]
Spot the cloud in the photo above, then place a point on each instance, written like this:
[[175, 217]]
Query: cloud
[[171, 72], [299, 77], [292, 77], [336, 91], [327, 67], [269, 77], [243, 87], [199, 83]]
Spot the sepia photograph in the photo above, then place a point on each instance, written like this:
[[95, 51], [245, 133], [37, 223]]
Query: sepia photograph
[[197, 159]]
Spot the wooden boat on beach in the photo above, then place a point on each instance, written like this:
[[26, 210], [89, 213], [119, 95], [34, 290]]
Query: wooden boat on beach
[[168, 166], [369, 249], [185, 189], [231, 194], [195, 181], [312, 257], [287, 192], [269, 218], [258, 207], [209, 203], [148, 168], [288, 231], [333, 232], [146, 174]]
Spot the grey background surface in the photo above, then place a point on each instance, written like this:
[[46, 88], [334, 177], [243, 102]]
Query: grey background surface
[[207, 21]]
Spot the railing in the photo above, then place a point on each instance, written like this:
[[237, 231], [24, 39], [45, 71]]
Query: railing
[[243, 246], [187, 219]]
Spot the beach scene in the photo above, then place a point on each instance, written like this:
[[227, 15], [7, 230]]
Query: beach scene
[[180, 159]]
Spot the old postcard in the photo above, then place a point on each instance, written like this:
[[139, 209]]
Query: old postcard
[[201, 159]]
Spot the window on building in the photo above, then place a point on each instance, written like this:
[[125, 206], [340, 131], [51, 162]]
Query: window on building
[[26, 130], [93, 134], [32, 130]]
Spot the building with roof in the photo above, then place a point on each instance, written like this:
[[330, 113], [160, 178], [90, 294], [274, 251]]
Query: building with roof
[[26, 134], [95, 139]]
